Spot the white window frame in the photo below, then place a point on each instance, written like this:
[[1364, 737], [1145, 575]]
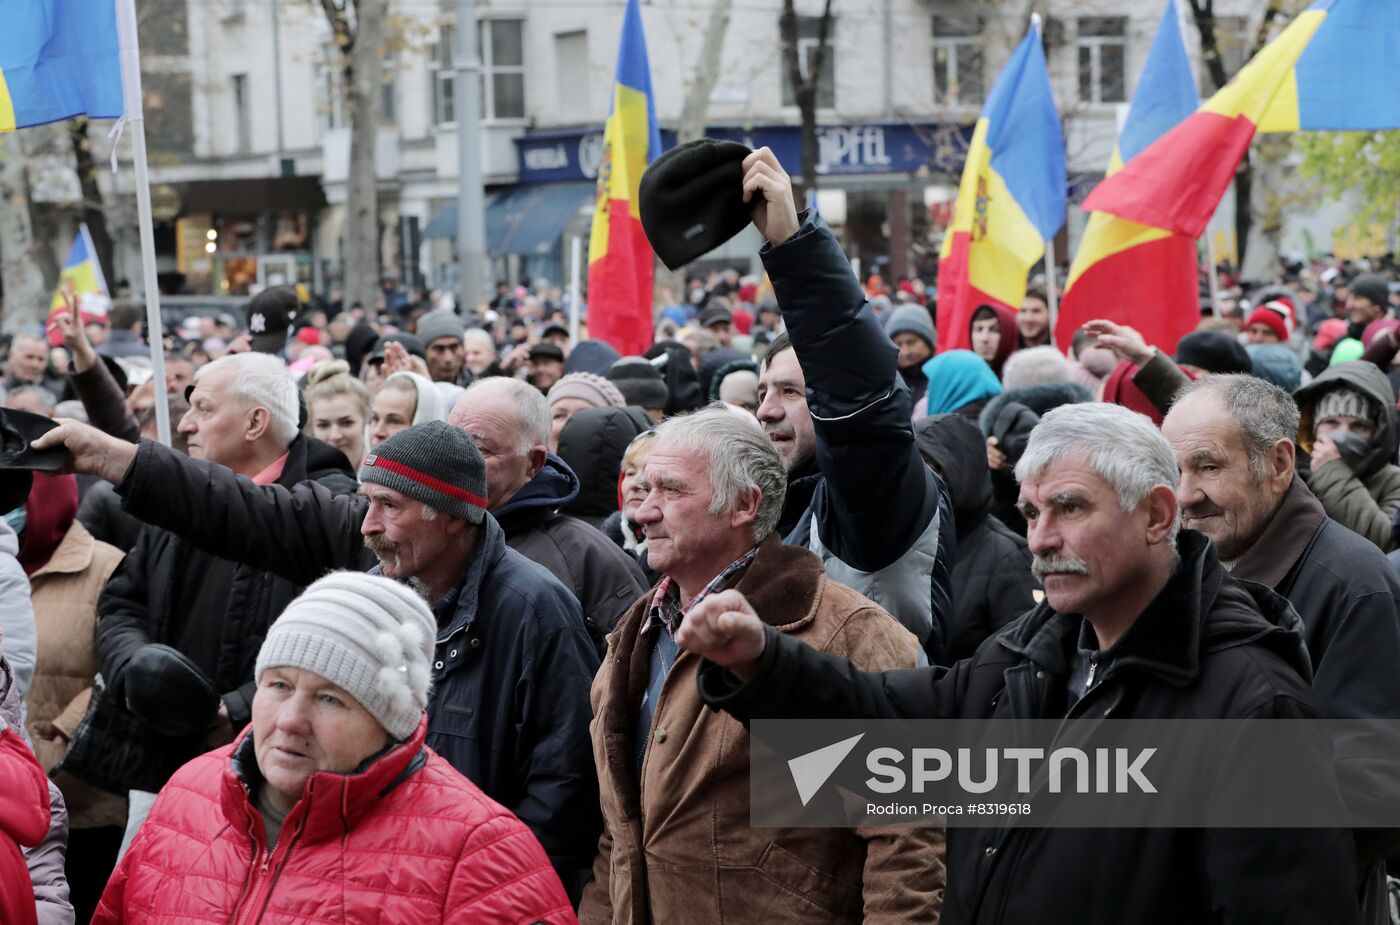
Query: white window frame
[[954, 46], [442, 68], [330, 113], [490, 70], [242, 114], [1095, 45]]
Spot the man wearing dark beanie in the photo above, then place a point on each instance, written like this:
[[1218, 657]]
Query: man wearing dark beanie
[[641, 384], [513, 660], [1206, 353], [1368, 299]]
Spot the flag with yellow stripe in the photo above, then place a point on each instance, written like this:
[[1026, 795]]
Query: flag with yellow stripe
[[58, 59]]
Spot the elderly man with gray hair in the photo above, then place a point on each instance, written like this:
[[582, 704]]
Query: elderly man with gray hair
[[674, 774], [1138, 622]]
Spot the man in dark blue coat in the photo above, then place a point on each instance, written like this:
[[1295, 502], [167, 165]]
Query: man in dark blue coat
[[832, 400], [509, 707]]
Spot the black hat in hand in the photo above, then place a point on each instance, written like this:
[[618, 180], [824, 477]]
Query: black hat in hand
[[168, 691], [692, 199]]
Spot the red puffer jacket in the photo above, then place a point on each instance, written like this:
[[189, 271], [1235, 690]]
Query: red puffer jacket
[[405, 841], [24, 820]]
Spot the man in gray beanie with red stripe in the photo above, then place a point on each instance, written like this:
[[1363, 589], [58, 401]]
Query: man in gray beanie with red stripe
[[512, 662]]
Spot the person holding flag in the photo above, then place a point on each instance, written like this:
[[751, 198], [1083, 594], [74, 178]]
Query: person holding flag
[[620, 260], [1011, 199], [1118, 256]]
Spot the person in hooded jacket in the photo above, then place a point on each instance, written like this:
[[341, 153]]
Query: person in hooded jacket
[[527, 489], [682, 381], [1347, 428], [959, 382], [991, 574], [993, 335], [592, 444], [912, 331]]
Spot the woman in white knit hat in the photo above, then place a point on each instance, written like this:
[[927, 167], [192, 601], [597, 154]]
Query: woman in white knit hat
[[329, 807]]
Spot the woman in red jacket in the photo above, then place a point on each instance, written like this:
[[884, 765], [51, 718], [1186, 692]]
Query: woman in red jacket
[[330, 808], [24, 820]]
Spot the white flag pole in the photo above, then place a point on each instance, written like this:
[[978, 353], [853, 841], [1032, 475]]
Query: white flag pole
[[1052, 295], [576, 273], [135, 118]]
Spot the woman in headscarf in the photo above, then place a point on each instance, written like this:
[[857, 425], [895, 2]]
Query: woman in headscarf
[[959, 381]]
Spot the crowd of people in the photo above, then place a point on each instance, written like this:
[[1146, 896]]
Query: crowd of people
[[433, 613]]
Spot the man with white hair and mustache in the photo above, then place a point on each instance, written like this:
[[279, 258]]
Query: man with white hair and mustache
[[1138, 622]]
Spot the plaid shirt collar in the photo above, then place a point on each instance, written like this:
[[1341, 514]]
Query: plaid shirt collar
[[666, 604]]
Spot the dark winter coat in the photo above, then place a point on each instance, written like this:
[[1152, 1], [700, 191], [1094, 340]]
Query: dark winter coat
[[509, 707], [592, 444], [143, 601], [603, 578], [1207, 646], [1349, 601], [682, 382], [878, 518], [992, 582]]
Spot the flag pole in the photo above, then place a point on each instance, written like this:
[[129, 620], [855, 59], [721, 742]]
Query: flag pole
[[134, 117], [576, 253], [1052, 295], [1211, 275]]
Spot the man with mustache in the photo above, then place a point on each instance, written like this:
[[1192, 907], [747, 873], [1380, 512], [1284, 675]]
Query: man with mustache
[[1234, 440], [513, 664], [1137, 622], [832, 401]]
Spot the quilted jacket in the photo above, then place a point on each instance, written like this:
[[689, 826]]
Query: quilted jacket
[[403, 840], [24, 818]]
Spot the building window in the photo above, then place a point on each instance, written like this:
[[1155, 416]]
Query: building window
[[330, 105], [502, 68], [388, 87], [444, 78], [241, 114], [809, 29], [957, 59], [571, 75], [1102, 59]]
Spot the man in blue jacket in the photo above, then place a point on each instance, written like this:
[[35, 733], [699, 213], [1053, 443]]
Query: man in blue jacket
[[831, 399], [509, 706]]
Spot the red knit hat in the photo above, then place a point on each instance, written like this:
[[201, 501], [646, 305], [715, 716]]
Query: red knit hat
[[1277, 314]]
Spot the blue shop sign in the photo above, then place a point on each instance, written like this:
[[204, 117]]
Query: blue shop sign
[[548, 157]]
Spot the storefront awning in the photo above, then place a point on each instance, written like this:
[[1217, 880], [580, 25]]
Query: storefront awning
[[520, 219]]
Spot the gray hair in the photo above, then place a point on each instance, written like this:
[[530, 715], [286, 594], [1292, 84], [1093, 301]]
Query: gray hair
[[1264, 412], [1035, 366], [741, 458], [481, 335], [41, 394], [1121, 446], [532, 421], [263, 381]]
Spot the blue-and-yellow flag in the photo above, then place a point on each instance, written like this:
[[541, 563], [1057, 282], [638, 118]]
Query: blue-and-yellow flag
[[1345, 80], [620, 258], [1011, 199], [58, 59], [84, 282]]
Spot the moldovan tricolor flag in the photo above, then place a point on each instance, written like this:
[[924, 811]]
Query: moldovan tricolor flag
[[58, 59], [1130, 273], [1177, 182], [1345, 80], [1011, 199], [82, 276], [619, 257]]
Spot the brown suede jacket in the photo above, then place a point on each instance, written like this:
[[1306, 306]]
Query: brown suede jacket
[[677, 846]]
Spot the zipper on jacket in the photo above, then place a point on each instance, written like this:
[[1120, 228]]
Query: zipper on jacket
[[250, 889], [1093, 667], [260, 896]]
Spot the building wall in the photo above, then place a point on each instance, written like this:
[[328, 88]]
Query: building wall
[[568, 86]]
